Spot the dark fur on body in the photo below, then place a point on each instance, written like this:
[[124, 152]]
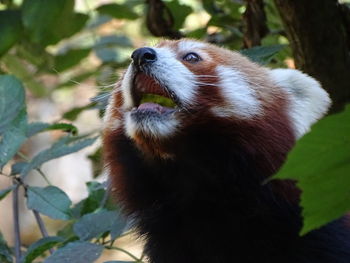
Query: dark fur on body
[[210, 204]]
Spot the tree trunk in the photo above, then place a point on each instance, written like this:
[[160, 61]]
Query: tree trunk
[[254, 19], [318, 38]]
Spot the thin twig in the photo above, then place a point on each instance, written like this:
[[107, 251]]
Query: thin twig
[[43, 176], [26, 158], [16, 222], [125, 252], [41, 225]]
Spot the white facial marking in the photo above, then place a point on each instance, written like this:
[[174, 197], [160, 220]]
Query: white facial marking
[[126, 88], [240, 98], [150, 127], [309, 102], [187, 46], [173, 74], [109, 122]]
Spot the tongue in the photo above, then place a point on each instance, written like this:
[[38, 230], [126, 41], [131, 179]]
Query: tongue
[[152, 107], [149, 106]]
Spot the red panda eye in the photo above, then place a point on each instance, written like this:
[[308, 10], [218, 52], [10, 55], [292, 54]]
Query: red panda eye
[[192, 57]]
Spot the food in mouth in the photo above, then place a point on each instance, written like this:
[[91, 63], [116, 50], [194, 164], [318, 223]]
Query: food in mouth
[[149, 94]]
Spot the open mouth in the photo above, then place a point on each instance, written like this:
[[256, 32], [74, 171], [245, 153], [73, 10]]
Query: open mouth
[[150, 95]]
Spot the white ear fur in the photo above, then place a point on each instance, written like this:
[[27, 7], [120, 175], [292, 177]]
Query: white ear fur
[[308, 101]]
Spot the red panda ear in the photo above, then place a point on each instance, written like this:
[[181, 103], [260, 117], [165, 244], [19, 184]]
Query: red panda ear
[[308, 101]]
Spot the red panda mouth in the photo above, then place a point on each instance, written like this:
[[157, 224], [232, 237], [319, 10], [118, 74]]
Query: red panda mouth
[[149, 95]]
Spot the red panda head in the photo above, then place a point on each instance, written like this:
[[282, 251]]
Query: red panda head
[[175, 86]]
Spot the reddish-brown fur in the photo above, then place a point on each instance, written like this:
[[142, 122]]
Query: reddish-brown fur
[[199, 196]]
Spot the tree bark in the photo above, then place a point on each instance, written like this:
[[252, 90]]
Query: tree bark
[[318, 38], [254, 19]]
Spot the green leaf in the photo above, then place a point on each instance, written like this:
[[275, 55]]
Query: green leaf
[[15, 65], [5, 252], [12, 100], [36, 127], [114, 40], [62, 147], [17, 167], [10, 29], [92, 202], [320, 162], [38, 248], [48, 21], [50, 201], [117, 11], [70, 58], [262, 54], [67, 231], [93, 225], [13, 117], [13, 138], [75, 25], [5, 192], [73, 114], [181, 12], [77, 252], [119, 226]]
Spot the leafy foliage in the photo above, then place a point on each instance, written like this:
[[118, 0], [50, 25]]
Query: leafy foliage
[[50, 39], [79, 252], [325, 179], [38, 248], [64, 146], [50, 201]]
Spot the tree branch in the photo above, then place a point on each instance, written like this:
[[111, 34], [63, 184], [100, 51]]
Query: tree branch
[[254, 19], [160, 21], [41, 226], [16, 222], [319, 43]]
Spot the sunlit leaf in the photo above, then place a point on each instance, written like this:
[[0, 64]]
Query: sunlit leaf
[[180, 12], [73, 114], [36, 127], [320, 162]]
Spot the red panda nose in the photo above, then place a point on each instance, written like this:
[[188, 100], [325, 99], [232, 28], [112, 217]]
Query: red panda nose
[[143, 56]]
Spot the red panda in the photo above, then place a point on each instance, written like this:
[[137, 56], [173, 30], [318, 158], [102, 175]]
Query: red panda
[[191, 132]]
